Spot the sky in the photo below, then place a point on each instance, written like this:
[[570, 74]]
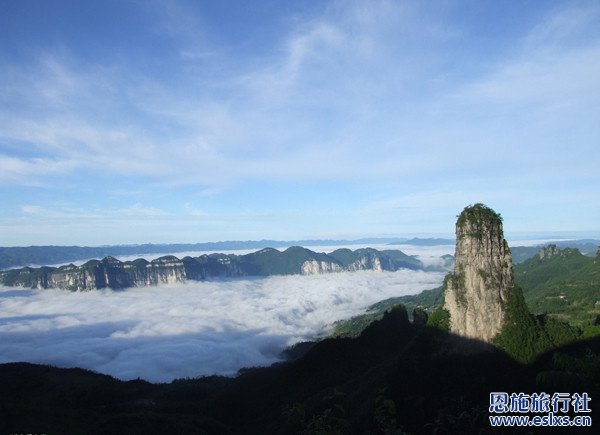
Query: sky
[[187, 330], [126, 122]]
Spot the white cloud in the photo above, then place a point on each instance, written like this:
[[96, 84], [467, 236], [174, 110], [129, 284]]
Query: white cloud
[[200, 328]]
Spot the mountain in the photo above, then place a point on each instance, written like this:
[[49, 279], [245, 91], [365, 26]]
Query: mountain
[[11, 257], [369, 258], [522, 253], [587, 247], [426, 301], [112, 273]]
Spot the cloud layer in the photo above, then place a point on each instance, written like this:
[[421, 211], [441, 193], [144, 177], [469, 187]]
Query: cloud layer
[[188, 330]]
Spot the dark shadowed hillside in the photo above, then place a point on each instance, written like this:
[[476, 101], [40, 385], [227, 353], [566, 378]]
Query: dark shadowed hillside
[[395, 378]]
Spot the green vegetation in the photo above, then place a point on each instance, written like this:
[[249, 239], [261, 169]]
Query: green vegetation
[[480, 218], [559, 304], [562, 291], [427, 299], [457, 280], [522, 337], [521, 253], [440, 319], [565, 285], [26, 277], [353, 327], [270, 261], [585, 246], [526, 336]]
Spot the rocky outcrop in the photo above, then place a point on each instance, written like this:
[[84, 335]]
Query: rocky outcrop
[[315, 267], [548, 252], [113, 273], [476, 293], [372, 259], [368, 263]]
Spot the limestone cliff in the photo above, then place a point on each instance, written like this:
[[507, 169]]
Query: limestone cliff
[[476, 293], [316, 267], [548, 252]]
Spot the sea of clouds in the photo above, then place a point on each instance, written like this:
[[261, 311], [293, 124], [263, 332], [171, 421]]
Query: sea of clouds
[[188, 330]]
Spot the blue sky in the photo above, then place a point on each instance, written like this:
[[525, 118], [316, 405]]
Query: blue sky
[[181, 121]]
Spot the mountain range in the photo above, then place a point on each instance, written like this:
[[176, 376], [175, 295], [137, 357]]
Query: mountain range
[[112, 273], [19, 256]]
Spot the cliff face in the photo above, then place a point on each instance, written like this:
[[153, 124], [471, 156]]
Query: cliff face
[[316, 267], [371, 262], [113, 273], [476, 293], [548, 252]]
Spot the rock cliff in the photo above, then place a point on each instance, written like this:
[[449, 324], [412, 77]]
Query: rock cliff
[[548, 252], [476, 293], [316, 267]]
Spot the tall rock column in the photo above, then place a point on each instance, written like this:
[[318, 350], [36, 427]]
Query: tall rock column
[[476, 293]]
